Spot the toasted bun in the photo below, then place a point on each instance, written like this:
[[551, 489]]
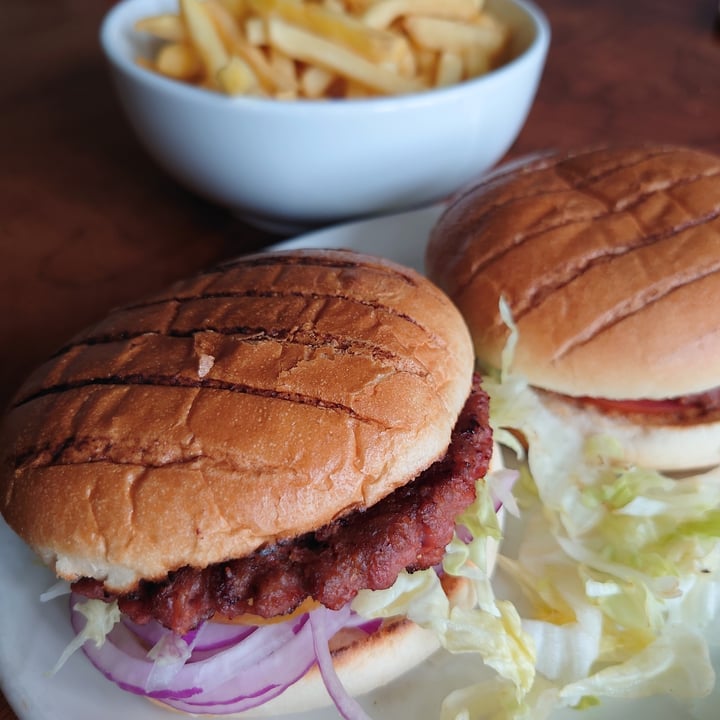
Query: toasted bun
[[252, 403], [609, 261]]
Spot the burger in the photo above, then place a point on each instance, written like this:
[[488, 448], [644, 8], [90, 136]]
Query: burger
[[218, 471], [608, 263]]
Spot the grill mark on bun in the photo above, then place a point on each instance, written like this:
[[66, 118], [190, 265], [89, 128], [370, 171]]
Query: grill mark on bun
[[279, 294], [543, 165], [542, 293], [508, 171], [511, 173], [193, 383], [315, 260], [634, 305], [376, 306], [516, 240], [80, 448], [93, 450], [592, 177], [249, 334]]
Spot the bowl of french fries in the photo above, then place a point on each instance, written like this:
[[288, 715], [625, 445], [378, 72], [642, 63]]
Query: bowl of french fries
[[300, 113]]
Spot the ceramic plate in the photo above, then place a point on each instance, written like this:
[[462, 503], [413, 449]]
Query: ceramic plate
[[33, 634]]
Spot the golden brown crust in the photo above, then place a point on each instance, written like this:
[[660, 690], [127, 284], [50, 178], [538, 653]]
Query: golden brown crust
[[609, 262], [251, 403]]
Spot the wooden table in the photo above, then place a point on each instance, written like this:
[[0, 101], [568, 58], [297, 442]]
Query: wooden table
[[87, 221]]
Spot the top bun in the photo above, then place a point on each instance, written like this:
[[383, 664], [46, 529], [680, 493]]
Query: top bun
[[609, 261], [249, 404]]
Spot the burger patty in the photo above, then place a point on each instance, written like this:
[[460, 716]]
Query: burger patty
[[367, 548]]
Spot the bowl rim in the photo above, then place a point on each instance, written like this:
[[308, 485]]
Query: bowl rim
[[116, 18]]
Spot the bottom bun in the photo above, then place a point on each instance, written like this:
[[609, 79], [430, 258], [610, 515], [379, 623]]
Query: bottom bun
[[672, 448], [362, 666]]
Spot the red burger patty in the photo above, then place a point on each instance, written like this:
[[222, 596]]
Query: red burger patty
[[367, 548]]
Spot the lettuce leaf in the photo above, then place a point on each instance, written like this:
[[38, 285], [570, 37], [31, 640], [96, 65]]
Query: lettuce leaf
[[489, 627], [101, 617], [616, 566]]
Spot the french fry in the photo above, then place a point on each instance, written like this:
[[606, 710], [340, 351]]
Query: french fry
[[163, 27], [449, 69], [426, 65], [454, 36], [355, 91], [236, 44], [382, 14], [407, 65], [375, 45], [255, 31], [334, 5], [237, 8], [205, 37], [237, 78], [179, 61], [324, 48], [310, 48], [285, 72], [315, 81], [359, 6], [224, 21], [477, 61]]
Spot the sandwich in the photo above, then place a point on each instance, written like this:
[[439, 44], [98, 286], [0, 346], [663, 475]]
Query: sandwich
[[219, 472], [589, 281], [608, 263]]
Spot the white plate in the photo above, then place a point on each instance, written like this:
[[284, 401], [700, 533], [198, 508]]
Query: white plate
[[33, 634]]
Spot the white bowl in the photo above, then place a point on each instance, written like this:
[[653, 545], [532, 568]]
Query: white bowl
[[298, 164]]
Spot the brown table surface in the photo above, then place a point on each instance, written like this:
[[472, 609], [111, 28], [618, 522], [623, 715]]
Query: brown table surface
[[87, 221]]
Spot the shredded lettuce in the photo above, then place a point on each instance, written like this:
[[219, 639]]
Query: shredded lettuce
[[487, 626], [614, 569], [498, 700], [616, 566], [169, 655], [58, 589], [677, 661], [101, 617]]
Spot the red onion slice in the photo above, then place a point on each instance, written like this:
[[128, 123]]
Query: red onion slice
[[209, 637], [278, 670], [212, 637], [123, 659], [266, 679], [347, 706], [501, 484], [261, 664]]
